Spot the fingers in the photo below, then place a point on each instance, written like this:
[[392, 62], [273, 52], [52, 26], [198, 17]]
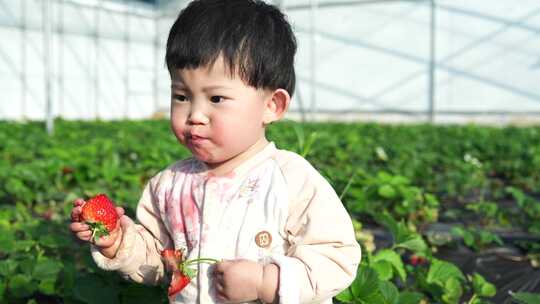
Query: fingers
[[84, 236], [219, 286], [106, 241], [81, 230], [222, 266], [78, 202], [217, 271], [125, 221], [120, 211], [76, 214], [79, 227], [220, 292]]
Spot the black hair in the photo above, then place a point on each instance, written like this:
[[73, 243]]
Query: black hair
[[254, 38]]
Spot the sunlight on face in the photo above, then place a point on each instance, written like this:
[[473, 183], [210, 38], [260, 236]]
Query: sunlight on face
[[216, 116]]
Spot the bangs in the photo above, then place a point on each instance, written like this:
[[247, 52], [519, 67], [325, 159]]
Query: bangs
[[253, 38]]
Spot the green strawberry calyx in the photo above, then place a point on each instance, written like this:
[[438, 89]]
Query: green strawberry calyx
[[98, 230]]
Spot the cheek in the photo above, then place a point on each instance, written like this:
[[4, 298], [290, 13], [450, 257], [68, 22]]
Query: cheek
[[220, 131], [236, 130], [178, 127]]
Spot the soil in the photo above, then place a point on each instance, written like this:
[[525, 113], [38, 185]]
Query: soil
[[505, 267]]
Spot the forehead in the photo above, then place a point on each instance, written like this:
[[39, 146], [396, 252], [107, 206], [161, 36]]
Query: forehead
[[218, 69]]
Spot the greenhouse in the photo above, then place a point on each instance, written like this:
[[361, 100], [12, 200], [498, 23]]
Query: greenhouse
[[422, 115]]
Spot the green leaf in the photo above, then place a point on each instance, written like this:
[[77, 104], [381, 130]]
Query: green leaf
[[414, 244], [69, 275], [399, 180], [373, 298], [2, 289], [7, 267], [487, 237], [7, 240], [26, 266], [365, 283], [387, 191], [141, 294], [452, 290], [346, 296], [440, 271], [409, 297], [48, 286], [482, 287], [23, 245], [92, 289], [383, 269], [526, 297], [47, 269], [389, 292], [394, 259], [21, 286], [384, 177], [54, 241], [468, 238], [403, 237]]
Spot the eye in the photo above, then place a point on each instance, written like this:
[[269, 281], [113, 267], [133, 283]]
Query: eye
[[180, 98], [216, 99]]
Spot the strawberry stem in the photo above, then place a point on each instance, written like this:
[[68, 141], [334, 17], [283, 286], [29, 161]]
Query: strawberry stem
[[93, 233], [200, 260]]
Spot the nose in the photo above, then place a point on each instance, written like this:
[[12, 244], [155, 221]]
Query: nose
[[197, 114]]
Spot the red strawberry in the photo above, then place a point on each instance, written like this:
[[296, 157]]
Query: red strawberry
[[181, 272], [100, 214], [416, 260], [171, 253], [67, 170], [178, 282], [172, 258]]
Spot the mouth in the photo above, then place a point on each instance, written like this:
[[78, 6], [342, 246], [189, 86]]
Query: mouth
[[196, 139]]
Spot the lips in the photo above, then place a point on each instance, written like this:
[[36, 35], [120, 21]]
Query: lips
[[195, 138]]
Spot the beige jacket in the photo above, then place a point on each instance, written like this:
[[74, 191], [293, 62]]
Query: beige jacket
[[306, 230]]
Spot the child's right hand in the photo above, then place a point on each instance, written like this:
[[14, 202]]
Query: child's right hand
[[108, 245]]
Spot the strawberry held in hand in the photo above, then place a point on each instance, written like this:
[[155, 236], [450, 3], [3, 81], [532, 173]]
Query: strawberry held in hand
[[181, 272], [179, 281], [100, 214]]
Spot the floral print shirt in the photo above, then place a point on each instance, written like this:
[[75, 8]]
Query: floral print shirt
[[273, 208]]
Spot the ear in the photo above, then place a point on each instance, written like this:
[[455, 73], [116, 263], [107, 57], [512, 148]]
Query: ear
[[276, 105]]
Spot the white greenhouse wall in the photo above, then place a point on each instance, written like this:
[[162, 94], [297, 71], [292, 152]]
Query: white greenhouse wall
[[370, 59]]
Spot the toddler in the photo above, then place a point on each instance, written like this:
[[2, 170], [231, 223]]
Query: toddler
[[277, 227]]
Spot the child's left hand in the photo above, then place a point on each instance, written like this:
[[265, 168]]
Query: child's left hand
[[238, 280]]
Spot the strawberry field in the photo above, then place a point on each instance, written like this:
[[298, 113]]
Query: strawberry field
[[445, 214]]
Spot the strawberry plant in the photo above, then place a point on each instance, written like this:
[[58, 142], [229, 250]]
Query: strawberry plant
[[529, 210], [475, 238], [398, 178], [395, 194]]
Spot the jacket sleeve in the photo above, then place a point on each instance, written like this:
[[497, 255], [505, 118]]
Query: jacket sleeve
[[138, 257], [323, 255]]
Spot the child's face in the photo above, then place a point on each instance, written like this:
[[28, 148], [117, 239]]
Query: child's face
[[215, 116]]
